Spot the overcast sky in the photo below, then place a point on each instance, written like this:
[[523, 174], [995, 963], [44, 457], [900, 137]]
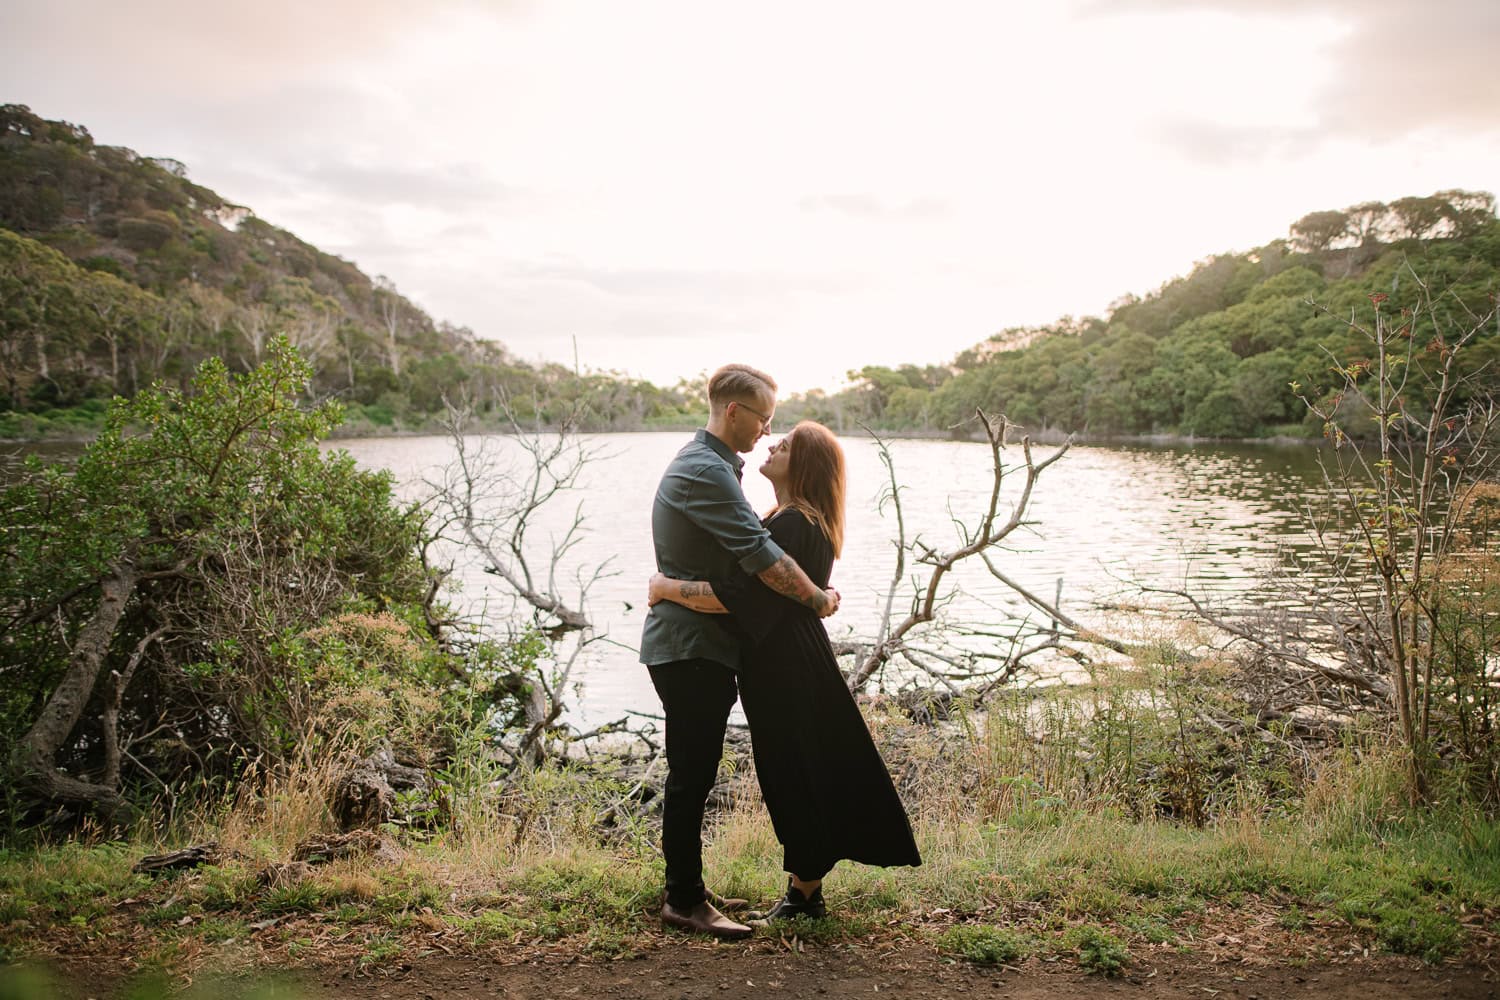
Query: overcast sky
[[809, 186]]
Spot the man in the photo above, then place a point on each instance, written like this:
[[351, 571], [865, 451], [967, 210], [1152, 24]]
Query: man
[[704, 528]]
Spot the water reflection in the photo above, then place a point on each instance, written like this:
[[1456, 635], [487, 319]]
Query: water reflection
[[1101, 519]]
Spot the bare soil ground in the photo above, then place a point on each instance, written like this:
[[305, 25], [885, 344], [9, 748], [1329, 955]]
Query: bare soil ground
[[700, 971], [685, 969]]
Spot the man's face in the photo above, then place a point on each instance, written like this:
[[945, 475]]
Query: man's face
[[749, 422]]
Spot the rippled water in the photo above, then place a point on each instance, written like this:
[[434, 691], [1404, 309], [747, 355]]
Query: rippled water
[[1210, 518]]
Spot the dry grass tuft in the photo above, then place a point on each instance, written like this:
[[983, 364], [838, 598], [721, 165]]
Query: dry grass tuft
[[272, 813]]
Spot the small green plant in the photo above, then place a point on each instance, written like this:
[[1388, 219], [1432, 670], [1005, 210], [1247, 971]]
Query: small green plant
[[1098, 950], [301, 897], [225, 888], [13, 908], [610, 942], [984, 944], [348, 913], [1153, 930], [826, 930], [492, 925], [161, 916], [214, 930], [378, 951], [1423, 933]]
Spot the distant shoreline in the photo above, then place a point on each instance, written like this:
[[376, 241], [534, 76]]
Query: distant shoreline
[[1046, 436]]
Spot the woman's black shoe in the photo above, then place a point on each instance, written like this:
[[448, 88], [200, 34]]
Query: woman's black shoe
[[793, 904]]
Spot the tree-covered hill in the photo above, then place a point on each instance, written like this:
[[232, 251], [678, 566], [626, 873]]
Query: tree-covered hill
[[1215, 353], [117, 271]]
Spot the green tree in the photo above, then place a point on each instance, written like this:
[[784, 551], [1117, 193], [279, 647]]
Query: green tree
[[1417, 218], [1197, 365], [1261, 390], [1115, 403], [1468, 212], [156, 583], [1317, 231]]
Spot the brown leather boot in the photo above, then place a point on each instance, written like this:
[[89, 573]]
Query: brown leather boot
[[727, 904], [703, 919]]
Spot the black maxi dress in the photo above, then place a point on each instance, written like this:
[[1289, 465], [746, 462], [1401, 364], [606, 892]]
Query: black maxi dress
[[828, 792]]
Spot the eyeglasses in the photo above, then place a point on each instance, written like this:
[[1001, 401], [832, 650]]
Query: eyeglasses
[[765, 421]]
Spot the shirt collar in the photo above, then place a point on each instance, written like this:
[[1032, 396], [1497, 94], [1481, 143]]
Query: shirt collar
[[720, 448]]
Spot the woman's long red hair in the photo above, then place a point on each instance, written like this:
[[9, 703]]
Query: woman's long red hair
[[816, 480]]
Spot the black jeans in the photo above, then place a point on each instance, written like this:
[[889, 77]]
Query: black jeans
[[696, 696]]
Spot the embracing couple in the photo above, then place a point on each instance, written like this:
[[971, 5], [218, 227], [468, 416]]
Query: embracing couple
[[735, 612]]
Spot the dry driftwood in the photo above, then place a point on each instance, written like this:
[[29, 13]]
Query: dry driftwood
[[378, 790], [188, 857], [319, 850]]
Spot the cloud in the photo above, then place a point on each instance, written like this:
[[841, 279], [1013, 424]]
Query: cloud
[[709, 285], [1395, 68], [1217, 144], [653, 321], [458, 187], [634, 176], [223, 48]]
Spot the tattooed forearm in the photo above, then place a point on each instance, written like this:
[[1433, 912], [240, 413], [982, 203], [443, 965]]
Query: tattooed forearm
[[787, 579], [696, 595]]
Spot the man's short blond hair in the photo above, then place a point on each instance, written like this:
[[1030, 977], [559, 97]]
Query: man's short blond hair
[[738, 383]]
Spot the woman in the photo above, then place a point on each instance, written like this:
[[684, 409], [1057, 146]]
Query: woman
[[825, 786]]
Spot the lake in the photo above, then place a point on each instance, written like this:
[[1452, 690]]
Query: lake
[[1208, 517]]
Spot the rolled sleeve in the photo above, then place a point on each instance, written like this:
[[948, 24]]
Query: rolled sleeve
[[764, 558], [716, 505]]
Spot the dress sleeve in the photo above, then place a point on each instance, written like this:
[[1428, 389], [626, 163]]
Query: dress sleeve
[[755, 608]]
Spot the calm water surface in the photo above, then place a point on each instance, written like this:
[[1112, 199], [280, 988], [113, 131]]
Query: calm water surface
[[1206, 517]]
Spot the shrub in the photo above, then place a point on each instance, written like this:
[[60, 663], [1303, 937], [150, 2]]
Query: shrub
[[206, 587]]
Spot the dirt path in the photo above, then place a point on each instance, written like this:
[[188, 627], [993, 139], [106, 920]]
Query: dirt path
[[689, 970]]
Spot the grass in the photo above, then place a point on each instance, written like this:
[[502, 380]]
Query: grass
[[1019, 860]]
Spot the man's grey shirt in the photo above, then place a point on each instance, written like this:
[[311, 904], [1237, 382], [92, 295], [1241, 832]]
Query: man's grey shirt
[[703, 529]]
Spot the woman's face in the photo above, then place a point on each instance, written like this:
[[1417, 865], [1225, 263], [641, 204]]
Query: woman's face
[[777, 465]]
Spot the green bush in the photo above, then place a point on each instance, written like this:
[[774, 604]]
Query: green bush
[[274, 597]]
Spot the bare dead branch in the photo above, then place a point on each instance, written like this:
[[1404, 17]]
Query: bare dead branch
[[894, 638]]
